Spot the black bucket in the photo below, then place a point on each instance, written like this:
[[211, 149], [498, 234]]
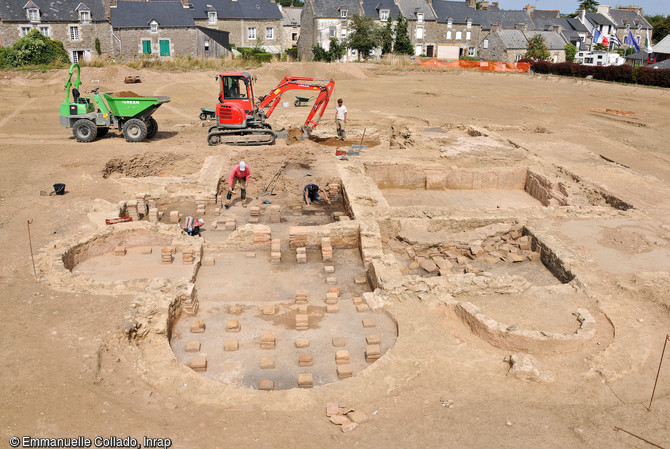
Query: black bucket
[[59, 189]]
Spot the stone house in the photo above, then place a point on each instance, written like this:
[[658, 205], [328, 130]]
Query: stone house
[[248, 22], [628, 19], [290, 26], [76, 23], [382, 11], [162, 30], [424, 29], [460, 29], [572, 29], [554, 40], [322, 20], [503, 45]]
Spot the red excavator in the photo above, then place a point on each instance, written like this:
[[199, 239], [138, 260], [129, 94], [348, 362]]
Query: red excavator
[[241, 121]]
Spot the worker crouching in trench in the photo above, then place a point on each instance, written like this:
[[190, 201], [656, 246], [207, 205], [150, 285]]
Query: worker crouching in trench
[[238, 175]]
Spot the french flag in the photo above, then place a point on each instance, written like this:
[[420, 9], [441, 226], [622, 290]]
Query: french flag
[[599, 38]]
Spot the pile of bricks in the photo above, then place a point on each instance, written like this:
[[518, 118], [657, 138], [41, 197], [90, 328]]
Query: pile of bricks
[[297, 237], [262, 234], [275, 214], [347, 418], [275, 250], [332, 295], [189, 304], [510, 247], [267, 340], [305, 359], [153, 215], [301, 255], [233, 326], [326, 249], [334, 192], [199, 364], [342, 357], [198, 327], [199, 207], [166, 254], [188, 256], [301, 322], [254, 213], [305, 380], [372, 353], [301, 296]]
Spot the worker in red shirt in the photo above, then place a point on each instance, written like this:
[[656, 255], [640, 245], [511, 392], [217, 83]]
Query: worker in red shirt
[[238, 175]]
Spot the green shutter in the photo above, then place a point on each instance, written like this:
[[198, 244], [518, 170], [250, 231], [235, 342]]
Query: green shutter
[[165, 47], [146, 47]]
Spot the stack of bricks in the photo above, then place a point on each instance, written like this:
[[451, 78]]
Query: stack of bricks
[[206, 197], [233, 326], [326, 249], [342, 357], [275, 214], [199, 364], [230, 224], [189, 305], [142, 207], [200, 208], [301, 255], [166, 255], [276, 250], [267, 340], [153, 215], [301, 322], [262, 234], [254, 213], [120, 250], [174, 216], [372, 353], [332, 295], [305, 380], [131, 210], [188, 256], [297, 237], [301, 296], [334, 192]]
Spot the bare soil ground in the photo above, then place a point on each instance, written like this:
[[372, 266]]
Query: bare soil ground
[[68, 370]]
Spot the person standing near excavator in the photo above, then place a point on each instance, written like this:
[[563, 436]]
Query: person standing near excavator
[[238, 175], [341, 119]]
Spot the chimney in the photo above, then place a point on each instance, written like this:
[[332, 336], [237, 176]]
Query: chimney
[[529, 8], [557, 28], [184, 3], [603, 9], [521, 26], [112, 3], [582, 16], [472, 4], [495, 27], [484, 5], [494, 4]]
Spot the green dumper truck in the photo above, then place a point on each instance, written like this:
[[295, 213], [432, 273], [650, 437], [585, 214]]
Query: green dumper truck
[[90, 118]]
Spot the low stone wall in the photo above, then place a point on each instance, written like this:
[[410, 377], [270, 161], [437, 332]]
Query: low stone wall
[[546, 192], [342, 235]]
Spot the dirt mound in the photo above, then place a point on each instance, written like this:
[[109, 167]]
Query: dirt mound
[[125, 94], [401, 137], [141, 165]]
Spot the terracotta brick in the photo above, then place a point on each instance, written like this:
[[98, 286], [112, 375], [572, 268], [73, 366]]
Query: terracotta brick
[[357, 300], [339, 342], [332, 308], [266, 385], [329, 269], [269, 310], [233, 326], [331, 298], [339, 419], [342, 357], [362, 308], [332, 409], [305, 380], [267, 340], [174, 216], [192, 346], [360, 279], [267, 363], [334, 290], [198, 327], [302, 343], [358, 417], [373, 340], [344, 371], [305, 359], [146, 250], [369, 322], [231, 345], [199, 363], [331, 280], [120, 251]]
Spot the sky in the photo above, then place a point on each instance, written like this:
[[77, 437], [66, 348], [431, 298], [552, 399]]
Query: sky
[[649, 7]]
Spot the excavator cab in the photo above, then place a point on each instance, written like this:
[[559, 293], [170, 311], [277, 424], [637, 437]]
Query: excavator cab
[[236, 100]]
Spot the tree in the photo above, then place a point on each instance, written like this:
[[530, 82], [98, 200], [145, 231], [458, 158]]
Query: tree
[[661, 26], [290, 2], [589, 5], [320, 53], [335, 50], [537, 49], [35, 48], [97, 46], [402, 44], [387, 37], [570, 52], [364, 36]]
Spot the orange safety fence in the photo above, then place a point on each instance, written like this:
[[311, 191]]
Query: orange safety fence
[[491, 66]]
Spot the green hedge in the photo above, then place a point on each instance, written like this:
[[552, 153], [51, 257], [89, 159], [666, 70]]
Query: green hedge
[[616, 73], [34, 49], [255, 54]]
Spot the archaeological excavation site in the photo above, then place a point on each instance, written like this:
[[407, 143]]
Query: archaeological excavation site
[[475, 279]]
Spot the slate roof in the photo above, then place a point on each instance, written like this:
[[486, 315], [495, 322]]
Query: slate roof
[[506, 18], [663, 45], [51, 10], [661, 65], [240, 9], [598, 19], [639, 56], [410, 8], [623, 17], [553, 40], [168, 14], [291, 16], [372, 8], [331, 9], [545, 14], [513, 39], [218, 36], [458, 11]]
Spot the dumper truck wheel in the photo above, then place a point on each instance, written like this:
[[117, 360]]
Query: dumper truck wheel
[[102, 132], [152, 127], [84, 130], [135, 130]]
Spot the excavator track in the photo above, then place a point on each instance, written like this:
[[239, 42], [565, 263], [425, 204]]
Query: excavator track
[[243, 137]]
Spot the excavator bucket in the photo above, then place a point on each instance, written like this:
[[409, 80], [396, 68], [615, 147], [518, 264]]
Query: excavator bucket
[[306, 132], [282, 134]]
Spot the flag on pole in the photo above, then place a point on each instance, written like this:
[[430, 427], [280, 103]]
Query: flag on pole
[[598, 37], [615, 39], [632, 41], [647, 44]]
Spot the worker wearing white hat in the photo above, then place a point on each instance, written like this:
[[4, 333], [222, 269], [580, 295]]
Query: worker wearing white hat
[[238, 175]]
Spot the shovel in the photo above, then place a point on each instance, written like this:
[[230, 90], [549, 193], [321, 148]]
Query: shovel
[[273, 181]]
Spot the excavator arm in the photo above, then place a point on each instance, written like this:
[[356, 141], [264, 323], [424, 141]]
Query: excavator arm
[[324, 88]]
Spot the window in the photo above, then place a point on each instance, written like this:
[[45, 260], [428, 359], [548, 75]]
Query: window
[[164, 46], [85, 16], [25, 30], [251, 33], [332, 31], [471, 51], [518, 58], [419, 32], [468, 35], [74, 33], [343, 13], [450, 22], [419, 17], [269, 33], [459, 35], [34, 15], [294, 36], [344, 32], [468, 24], [486, 43], [211, 16], [384, 15], [154, 26], [146, 47], [418, 50], [44, 31], [206, 45], [75, 56], [449, 35]]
